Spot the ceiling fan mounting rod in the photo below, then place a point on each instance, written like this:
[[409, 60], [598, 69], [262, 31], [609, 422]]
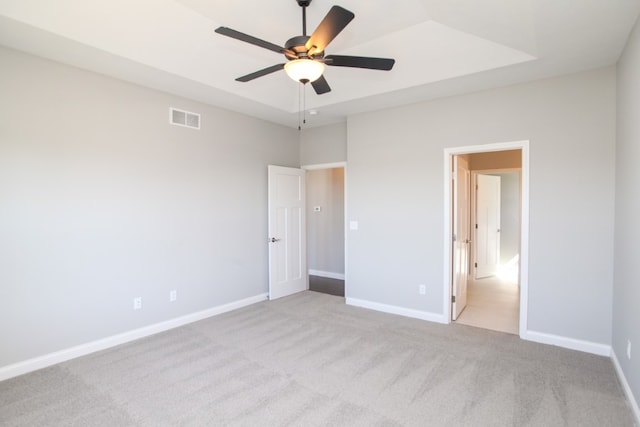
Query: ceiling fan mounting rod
[[304, 20], [303, 4]]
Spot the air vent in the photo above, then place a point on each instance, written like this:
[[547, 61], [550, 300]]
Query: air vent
[[184, 118]]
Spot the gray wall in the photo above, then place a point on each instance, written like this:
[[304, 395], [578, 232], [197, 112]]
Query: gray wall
[[626, 291], [395, 191], [101, 200], [326, 144], [325, 229]]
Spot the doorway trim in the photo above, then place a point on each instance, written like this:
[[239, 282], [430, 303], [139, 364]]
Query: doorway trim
[[334, 165], [524, 223]]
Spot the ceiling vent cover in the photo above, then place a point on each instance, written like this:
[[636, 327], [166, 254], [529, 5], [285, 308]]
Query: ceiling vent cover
[[184, 118]]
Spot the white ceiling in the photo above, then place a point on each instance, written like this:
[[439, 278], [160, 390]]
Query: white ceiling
[[441, 47]]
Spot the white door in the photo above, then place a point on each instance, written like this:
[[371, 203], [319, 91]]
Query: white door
[[287, 242], [488, 225], [461, 209]]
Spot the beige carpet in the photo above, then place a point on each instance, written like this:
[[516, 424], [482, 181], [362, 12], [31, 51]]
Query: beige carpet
[[310, 360]]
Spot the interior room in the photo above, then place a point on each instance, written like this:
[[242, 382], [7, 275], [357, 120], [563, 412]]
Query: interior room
[[161, 205]]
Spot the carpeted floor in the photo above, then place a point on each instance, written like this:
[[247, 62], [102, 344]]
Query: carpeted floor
[[310, 360]]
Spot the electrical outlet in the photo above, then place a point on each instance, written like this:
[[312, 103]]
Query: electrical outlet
[[422, 289], [137, 303], [629, 349], [173, 295]]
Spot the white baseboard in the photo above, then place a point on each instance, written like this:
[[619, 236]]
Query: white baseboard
[[328, 274], [392, 309], [570, 343], [40, 362], [627, 389]]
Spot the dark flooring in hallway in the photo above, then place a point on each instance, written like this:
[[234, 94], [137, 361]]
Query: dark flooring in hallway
[[326, 286]]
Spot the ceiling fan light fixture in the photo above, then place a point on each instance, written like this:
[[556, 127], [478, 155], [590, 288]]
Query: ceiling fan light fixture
[[304, 70]]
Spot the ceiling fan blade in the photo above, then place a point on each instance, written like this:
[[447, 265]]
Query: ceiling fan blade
[[321, 86], [329, 28], [260, 73], [360, 62], [250, 39]]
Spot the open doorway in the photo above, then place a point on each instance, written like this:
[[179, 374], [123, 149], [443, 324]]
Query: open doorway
[[493, 292], [488, 255], [326, 228]]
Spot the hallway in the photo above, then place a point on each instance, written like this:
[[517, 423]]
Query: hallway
[[492, 303]]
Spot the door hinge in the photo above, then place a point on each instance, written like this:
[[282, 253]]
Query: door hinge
[[476, 226], [453, 298], [455, 238], [476, 265]]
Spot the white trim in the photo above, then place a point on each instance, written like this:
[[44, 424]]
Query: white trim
[[327, 274], [393, 309], [627, 388], [448, 232], [570, 343], [524, 223], [346, 232], [333, 165], [40, 362], [524, 240]]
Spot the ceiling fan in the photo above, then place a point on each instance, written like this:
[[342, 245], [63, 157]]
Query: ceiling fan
[[305, 54]]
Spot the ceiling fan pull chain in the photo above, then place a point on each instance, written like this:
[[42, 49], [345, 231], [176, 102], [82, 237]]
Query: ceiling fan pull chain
[[299, 96]]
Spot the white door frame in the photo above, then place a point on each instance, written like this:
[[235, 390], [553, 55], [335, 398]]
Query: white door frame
[[335, 165], [524, 223]]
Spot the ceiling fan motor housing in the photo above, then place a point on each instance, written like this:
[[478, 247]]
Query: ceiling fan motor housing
[[298, 45]]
